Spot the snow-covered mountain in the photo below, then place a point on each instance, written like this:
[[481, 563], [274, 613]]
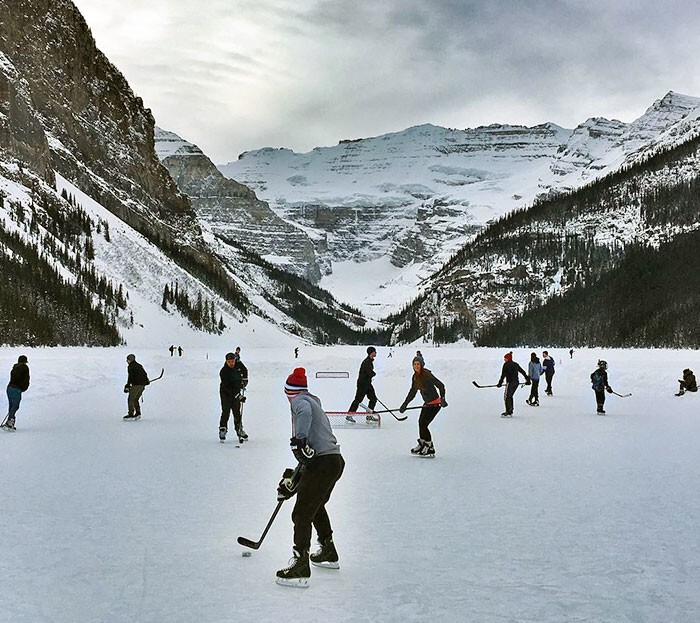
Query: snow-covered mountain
[[418, 195], [78, 146], [232, 211]]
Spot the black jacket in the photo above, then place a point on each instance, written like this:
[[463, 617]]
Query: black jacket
[[137, 375], [232, 379], [364, 377], [510, 371], [19, 377]]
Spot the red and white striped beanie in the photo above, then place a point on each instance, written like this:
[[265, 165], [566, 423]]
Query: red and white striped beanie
[[296, 382]]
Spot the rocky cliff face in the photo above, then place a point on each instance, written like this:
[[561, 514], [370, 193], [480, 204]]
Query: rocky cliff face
[[232, 211], [418, 195], [99, 134]]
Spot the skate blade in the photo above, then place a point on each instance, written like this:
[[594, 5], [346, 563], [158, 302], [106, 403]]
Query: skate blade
[[7, 429], [326, 565], [293, 583]]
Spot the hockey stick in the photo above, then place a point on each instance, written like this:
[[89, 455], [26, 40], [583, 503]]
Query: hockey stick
[[387, 410], [256, 544], [483, 386], [400, 419], [621, 395], [160, 376]]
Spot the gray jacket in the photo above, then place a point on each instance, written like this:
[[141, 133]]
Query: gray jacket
[[310, 420]]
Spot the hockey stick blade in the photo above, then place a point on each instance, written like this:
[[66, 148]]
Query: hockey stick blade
[[160, 376], [256, 544], [400, 419], [248, 543], [482, 386]]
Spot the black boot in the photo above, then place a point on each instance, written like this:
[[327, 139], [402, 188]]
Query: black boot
[[298, 572], [327, 556]]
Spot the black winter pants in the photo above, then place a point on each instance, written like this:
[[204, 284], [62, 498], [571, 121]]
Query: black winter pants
[[361, 392], [230, 403], [548, 374], [427, 415], [508, 394], [314, 491]]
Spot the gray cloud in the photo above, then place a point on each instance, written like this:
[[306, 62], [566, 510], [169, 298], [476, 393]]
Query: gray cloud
[[232, 75]]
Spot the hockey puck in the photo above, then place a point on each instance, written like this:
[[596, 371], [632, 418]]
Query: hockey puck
[[246, 554]]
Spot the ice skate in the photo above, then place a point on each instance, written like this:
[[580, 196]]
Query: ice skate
[[326, 556], [297, 573], [419, 447], [222, 433], [428, 450]]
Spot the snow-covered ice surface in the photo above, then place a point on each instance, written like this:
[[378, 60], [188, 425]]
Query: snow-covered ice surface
[[555, 515]]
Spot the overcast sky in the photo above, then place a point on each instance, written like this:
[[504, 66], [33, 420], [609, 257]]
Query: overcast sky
[[234, 75]]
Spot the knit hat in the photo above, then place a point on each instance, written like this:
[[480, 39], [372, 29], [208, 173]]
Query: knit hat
[[131, 357], [22, 359], [296, 382], [371, 349], [508, 356], [419, 360], [230, 356]]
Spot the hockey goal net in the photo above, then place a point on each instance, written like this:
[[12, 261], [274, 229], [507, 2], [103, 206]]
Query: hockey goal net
[[332, 374], [354, 419]]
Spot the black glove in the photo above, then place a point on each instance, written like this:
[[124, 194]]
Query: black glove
[[244, 382], [499, 384], [301, 450], [609, 390], [242, 398], [288, 485], [126, 388], [528, 381], [443, 402], [402, 408]]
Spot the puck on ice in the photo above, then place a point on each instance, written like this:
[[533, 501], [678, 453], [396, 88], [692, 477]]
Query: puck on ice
[[246, 554]]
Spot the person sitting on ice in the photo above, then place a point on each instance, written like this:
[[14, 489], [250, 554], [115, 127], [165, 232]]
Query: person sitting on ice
[[688, 382]]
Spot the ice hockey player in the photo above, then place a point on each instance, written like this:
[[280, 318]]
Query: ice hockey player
[[548, 365], [509, 373], [316, 448], [425, 382], [234, 378], [19, 383], [135, 384], [534, 370], [688, 382], [599, 384], [364, 386]]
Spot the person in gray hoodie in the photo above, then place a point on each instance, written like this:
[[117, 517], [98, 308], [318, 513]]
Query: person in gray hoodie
[[534, 371], [321, 465]]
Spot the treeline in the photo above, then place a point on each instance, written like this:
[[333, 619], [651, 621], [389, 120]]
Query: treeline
[[199, 311], [651, 300]]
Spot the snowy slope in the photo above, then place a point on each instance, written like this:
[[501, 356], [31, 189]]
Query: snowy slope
[[556, 515], [416, 196]]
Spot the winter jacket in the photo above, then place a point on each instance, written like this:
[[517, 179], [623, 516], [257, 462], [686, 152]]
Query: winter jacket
[[433, 388], [137, 375], [310, 421], [534, 370], [510, 371], [548, 365], [689, 381], [19, 377], [364, 377], [233, 378], [599, 380]]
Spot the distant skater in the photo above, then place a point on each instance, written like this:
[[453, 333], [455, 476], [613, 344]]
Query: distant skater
[[509, 373], [135, 384], [571, 353], [234, 378], [548, 365], [19, 383], [534, 370], [688, 383], [419, 355], [172, 349], [179, 351], [296, 353], [432, 390], [599, 384], [364, 386]]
